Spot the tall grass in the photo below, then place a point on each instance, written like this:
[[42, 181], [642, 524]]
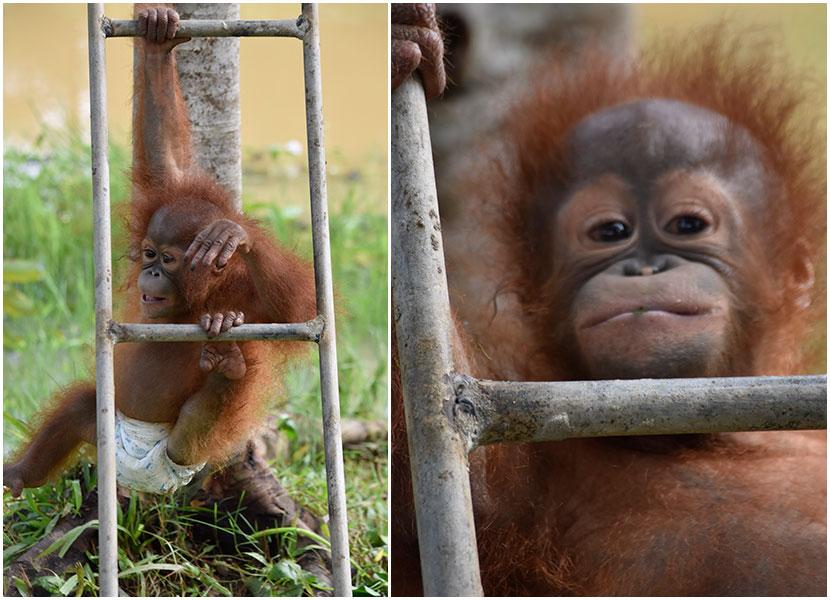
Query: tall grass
[[49, 325]]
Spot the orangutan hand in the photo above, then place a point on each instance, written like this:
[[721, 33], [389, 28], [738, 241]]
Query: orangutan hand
[[417, 45]]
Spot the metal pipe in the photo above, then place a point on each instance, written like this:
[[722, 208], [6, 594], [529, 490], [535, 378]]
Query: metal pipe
[[497, 411], [438, 454], [104, 375], [139, 332], [212, 28], [338, 526]]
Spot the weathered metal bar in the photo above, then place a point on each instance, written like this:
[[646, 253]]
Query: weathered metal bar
[[104, 368], [438, 454], [335, 477], [309, 331], [494, 411], [213, 28]]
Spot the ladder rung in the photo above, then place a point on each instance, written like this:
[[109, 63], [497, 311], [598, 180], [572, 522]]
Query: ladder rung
[[506, 411], [214, 28], [309, 331]]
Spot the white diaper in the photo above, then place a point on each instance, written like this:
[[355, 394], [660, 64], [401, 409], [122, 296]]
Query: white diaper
[[141, 461]]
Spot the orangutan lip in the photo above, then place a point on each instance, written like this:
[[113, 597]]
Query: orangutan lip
[[151, 299], [679, 310]]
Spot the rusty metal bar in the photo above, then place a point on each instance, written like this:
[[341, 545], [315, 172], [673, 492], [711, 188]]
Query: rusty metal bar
[[438, 453], [497, 411], [309, 331], [212, 28], [104, 367], [335, 478]]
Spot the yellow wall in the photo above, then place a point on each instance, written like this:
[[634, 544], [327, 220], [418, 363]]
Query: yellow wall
[[45, 75], [801, 28], [45, 67]]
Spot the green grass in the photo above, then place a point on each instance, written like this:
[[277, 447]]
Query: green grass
[[48, 343]]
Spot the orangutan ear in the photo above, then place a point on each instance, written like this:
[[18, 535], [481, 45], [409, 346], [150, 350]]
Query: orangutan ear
[[802, 275]]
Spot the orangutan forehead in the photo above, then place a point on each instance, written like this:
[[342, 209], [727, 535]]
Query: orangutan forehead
[[642, 140], [178, 225]]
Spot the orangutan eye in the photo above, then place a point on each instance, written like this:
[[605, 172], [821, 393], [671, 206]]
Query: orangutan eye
[[610, 231], [167, 259], [687, 225], [149, 254]]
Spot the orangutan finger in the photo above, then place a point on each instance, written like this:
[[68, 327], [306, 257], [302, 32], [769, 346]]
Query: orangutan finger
[[227, 322], [152, 18], [161, 25], [406, 55], [172, 23], [420, 14], [216, 327], [215, 248], [227, 251], [429, 58]]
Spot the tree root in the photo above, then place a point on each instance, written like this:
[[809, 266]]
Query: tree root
[[248, 492], [31, 564], [245, 490]]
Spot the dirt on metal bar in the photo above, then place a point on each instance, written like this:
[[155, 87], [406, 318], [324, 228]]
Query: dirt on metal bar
[[309, 331], [440, 474], [493, 411], [335, 478], [102, 254]]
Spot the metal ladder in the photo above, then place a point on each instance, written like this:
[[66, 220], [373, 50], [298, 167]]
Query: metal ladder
[[108, 332], [449, 414]]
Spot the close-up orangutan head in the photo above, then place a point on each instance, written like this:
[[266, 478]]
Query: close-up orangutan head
[[670, 220], [659, 217], [621, 209], [163, 239]]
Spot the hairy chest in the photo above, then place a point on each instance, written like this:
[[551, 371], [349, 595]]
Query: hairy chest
[[152, 381]]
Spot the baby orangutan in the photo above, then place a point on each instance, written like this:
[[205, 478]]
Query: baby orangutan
[[178, 404]]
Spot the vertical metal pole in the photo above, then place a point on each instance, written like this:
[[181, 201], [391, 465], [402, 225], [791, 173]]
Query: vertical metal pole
[[338, 526], [440, 470], [104, 379]]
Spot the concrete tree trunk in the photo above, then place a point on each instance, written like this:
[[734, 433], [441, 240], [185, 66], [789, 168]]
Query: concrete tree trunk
[[209, 75]]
